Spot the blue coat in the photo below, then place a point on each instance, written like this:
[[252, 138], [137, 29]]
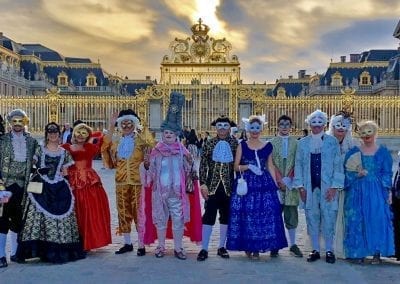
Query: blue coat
[[332, 175]]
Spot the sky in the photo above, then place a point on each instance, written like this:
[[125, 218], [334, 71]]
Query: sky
[[272, 38]]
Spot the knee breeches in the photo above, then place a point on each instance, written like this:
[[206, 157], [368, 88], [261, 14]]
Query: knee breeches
[[128, 198]]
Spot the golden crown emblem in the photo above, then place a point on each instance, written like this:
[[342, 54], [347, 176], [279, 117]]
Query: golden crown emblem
[[200, 29]]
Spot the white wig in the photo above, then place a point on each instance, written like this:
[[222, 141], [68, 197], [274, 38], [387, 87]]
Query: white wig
[[132, 118], [317, 114]]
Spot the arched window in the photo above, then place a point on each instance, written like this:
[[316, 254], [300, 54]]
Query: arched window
[[91, 80], [365, 78], [337, 79], [62, 79], [281, 93]]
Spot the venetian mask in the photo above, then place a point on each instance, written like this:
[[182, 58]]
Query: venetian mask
[[284, 124], [317, 121], [17, 121], [127, 124], [255, 127], [81, 132], [222, 125], [367, 131], [342, 124], [52, 129]]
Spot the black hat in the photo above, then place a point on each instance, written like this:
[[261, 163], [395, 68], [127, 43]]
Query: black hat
[[223, 118]]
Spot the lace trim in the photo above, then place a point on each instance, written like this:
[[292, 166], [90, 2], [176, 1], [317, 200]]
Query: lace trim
[[19, 147], [57, 177], [47, 213]]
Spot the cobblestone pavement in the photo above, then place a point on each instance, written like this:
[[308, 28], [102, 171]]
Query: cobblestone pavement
[[103, 266]]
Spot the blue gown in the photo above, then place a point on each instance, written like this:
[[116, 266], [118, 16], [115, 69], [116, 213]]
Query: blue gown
[[368, 219], [256, 223]]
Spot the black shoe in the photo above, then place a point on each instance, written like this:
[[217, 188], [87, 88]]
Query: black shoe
[[124, 249], [15, 258], [222, 252], [3, 262], [274, 253], [141, 252], [180, 254], [330, 257], [203, 255], [313, 256]]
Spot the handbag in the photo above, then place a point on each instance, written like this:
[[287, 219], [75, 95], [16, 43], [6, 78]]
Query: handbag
[[241, 186], [35, 184]]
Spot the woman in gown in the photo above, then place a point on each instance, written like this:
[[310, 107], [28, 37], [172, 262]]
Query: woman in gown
[[50, 229], [91, 202], [255, 223], [368, 219]]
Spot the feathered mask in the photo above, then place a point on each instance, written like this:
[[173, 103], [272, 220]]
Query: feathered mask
[[253, 123]]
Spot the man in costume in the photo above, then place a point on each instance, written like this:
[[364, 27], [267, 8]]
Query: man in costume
[[18, 153], [283, 156], [216, 179], [318, 176], [340, 127], [125, 154]]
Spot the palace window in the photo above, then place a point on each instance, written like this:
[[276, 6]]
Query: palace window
[[365, 78], [337, 79], [62, 79], [281, 93], [91, 80]]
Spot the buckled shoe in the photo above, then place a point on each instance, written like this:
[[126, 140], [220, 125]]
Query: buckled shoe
[[222, 252], [203, 255], [124, 249], [313, 256]]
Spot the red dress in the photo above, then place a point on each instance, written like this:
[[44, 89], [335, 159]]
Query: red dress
[[91, 202]]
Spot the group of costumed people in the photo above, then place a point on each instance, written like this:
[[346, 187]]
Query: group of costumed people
[[255, 186]]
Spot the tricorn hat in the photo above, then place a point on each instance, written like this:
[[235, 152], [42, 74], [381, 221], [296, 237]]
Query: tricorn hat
[[173, 120], [223, 118]]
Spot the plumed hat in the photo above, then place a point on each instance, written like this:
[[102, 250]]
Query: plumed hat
[[18, 112], [128, 114], [223, 118], [173, 120]]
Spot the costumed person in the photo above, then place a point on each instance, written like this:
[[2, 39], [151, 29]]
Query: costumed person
[[340, 127], [18, 153], [216, 180], [91, 202], [50, 230], [170, 165], [283, 157], [367, 214], [191, 143], [125, 154], [255, 219], [396, 211], [318, 175]]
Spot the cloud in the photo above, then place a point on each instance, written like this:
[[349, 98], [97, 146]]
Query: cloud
[[107, 19], [271, 38]]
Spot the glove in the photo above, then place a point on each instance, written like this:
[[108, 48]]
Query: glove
[[256, 170]]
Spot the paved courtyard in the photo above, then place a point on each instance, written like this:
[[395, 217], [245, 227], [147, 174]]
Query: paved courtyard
[[103, 266]]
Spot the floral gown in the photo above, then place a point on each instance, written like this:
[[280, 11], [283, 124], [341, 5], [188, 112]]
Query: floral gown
[[256, 223], [50, 229]]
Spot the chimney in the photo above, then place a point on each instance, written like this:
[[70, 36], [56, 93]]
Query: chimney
[[148, 78], [343, 58], [354, 57], [302, 74]]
